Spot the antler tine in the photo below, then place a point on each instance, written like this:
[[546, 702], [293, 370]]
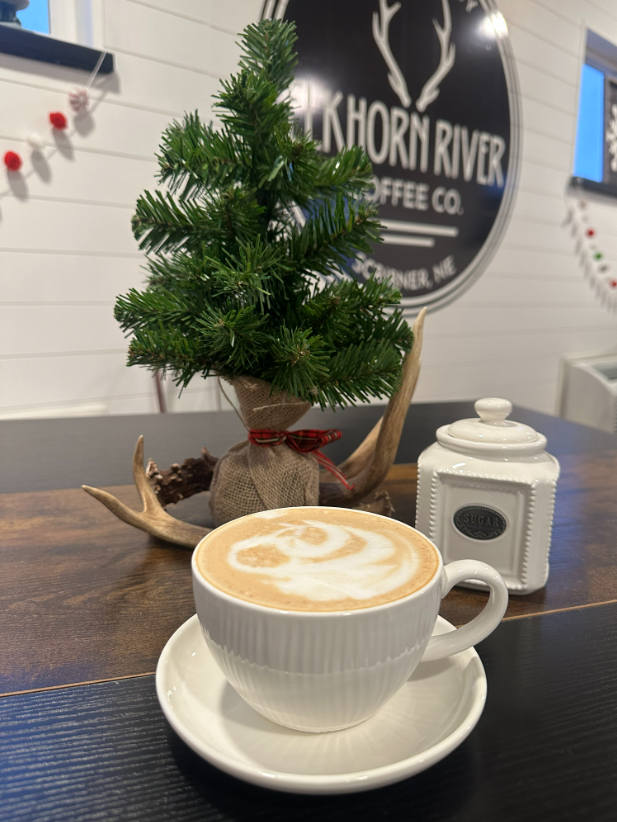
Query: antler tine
[[430, 91], [369, 464], [358, 461], [381, 25], [153, 519], [146, 491]]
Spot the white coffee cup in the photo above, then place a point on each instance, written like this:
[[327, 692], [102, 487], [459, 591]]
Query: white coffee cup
[[324, 671]]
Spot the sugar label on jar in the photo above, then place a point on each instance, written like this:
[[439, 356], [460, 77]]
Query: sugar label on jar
[[479, 522]]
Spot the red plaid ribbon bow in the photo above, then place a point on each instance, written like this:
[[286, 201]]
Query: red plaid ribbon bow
[[307, 441]]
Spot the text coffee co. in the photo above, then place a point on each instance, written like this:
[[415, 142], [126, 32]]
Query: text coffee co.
[[429, 90]]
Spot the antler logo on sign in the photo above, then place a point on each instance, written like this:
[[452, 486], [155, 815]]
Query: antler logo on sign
[[429, 90]]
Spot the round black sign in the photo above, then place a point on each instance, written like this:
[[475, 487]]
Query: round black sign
[[479, 522], [429, 90]]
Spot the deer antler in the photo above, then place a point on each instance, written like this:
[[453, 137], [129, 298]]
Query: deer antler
[[381, 35], [366, 467], [153, 519], [369, 464], [430, 91]]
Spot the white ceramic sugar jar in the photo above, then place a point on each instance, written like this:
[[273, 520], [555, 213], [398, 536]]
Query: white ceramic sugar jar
[[486, 491]]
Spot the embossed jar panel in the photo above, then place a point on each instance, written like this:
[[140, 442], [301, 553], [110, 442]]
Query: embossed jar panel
[[486, 491]]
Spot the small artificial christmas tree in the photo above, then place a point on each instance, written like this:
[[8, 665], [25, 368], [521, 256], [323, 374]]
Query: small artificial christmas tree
[[237, 287]]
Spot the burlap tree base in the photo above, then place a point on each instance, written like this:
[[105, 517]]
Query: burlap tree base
[[251, 478]]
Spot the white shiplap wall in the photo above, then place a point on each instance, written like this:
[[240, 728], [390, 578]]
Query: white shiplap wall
[[66, 248], [506, 334]]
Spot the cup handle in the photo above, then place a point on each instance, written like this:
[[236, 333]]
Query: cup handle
[[482, 625]]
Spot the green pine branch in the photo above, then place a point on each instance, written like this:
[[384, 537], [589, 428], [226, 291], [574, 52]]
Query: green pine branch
[[334, 234], [299, 362], [233, 339], [361, 372], [162, 223], [167, 349], [267, 49], [234, 283], [195, 158]]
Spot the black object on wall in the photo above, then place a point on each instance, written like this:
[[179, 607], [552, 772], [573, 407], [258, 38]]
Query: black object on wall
[[430, 90], [33, 46]]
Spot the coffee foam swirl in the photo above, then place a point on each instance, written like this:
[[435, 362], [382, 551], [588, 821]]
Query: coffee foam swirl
[[297, 560], [321, 562]]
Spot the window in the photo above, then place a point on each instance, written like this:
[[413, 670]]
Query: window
[[35, 17], [77, 21], [65, 32], [595, 158], [589, 159]]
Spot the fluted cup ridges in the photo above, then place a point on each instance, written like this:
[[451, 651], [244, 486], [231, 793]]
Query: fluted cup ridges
[[316, 671]]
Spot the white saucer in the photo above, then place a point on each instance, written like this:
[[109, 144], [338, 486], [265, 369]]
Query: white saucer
[[428, 718]]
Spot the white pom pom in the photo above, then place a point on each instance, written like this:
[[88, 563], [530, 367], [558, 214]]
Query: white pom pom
[[79, 100], [36, 142]]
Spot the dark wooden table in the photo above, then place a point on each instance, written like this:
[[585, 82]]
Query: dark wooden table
[[87, 604]]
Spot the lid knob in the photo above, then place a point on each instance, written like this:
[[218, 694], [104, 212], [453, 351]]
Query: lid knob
[[493, 410]]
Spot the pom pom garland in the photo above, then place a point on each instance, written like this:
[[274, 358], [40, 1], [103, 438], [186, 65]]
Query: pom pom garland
[[591, 259], [12, 161], [79, 100], [36, 142], [58, 120]]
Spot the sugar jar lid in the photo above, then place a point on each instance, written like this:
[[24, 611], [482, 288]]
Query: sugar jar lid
[[492, 432]]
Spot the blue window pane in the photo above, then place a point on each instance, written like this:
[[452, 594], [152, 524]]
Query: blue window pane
[[35, 17], [588, 158]]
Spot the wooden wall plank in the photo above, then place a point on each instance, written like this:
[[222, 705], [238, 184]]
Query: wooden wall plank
[[164, 37]]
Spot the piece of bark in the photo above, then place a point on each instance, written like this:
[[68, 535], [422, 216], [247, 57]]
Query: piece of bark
[[182, 481], [382, 504]]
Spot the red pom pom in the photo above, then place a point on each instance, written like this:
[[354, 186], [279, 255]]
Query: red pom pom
[[58, 120], [590, 232], [12, 161], [613, 283]]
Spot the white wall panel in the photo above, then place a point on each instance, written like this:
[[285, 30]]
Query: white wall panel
[[540, 206], [61, 226], [553, 123], [46, 329], [602, 19], [230, 16], [143, 82], [163, 36], [86, 379], [526, 232], [539, 178], [497, 349], [522, 291], [542, 53], [26, 277], [534, 264], [467, 381], [546, 151], [552, 27], [560, 93], [505, 317]]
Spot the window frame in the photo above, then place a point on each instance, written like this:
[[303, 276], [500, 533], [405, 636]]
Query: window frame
[[76, 40], [601, 55], [77, 21]]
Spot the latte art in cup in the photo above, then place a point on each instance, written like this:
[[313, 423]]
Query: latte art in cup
[[310, 559]]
